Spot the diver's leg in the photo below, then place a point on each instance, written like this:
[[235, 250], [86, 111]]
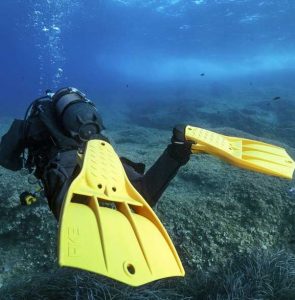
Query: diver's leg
[[57, 178]]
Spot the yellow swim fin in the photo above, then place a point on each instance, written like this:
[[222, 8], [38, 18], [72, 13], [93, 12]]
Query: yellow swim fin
[[106, 227], [244, 153]]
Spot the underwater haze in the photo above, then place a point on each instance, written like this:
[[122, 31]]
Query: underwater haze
[[223, 65], [143, 50]]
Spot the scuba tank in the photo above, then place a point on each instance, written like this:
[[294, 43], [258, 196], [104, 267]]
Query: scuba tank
[[69, 119]]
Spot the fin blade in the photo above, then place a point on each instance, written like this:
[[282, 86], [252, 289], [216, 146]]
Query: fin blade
[[119, 234], [249, 154]]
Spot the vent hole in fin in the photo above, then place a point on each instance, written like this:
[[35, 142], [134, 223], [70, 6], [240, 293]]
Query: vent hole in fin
[[80, 199], [130, 269], [132, 208], [108, 204]]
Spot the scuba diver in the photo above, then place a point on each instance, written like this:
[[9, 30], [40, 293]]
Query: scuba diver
[[58, 125], [103, 202]]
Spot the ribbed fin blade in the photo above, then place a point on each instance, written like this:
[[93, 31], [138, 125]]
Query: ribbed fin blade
[[106, 227], [249, 154]]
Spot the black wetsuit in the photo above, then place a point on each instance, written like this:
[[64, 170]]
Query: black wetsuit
[[53, 153]]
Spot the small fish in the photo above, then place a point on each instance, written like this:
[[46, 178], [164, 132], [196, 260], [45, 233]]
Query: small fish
[[45, 29], [202, 74], [127, 85], [276, 98]]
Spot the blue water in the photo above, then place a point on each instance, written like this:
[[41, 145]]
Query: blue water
[[127, 49]]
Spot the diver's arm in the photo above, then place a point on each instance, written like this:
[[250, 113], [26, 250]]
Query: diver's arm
[[12, 145], [153, 183]]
